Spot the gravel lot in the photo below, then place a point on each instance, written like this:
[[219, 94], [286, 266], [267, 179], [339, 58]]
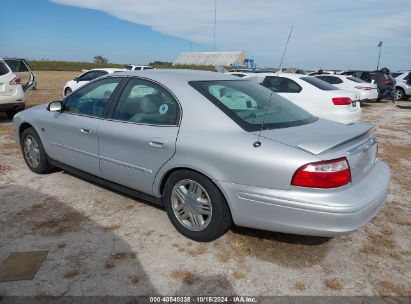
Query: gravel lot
[[104, 243]]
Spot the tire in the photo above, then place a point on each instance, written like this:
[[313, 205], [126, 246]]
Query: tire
[[30, 146], [211, 225], [10, 114], [67, 91], [399, 94]]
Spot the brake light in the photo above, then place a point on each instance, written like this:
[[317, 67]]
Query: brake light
[[385, 81], [341, 101], [364, 88], [16, 80], [326, 174]]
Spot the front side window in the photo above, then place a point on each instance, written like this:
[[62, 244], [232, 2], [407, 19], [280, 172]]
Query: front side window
[[92, 99], [146, 102], [320, 84], [251, 105], [281, 84]]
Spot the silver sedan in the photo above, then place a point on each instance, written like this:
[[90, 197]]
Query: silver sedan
[[214, 150]]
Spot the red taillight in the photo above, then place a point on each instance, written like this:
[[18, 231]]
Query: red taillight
[[341, 101], [386, 81], [325, 174], [15, 80], [364, 88]]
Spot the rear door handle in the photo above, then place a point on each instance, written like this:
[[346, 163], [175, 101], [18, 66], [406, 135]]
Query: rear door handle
[[157, 143], [85, 131]]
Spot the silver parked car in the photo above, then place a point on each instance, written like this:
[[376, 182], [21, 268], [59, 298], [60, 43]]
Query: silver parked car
[[213, 149]]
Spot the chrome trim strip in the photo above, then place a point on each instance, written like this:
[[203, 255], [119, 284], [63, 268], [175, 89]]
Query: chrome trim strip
[[74, 150], [364, 146], [126, 165]]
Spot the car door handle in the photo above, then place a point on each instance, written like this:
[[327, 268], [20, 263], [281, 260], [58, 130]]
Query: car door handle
[[85, 131], [157, 143]]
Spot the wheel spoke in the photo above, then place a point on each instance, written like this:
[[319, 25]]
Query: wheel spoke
[[181, 195], [194, 221]]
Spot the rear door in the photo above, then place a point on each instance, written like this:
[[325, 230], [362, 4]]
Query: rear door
[[22, 69], [141, 135], [72, 134]]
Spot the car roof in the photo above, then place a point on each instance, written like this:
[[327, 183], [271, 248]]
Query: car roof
[[184, 75], [283, 74], [110, 70]]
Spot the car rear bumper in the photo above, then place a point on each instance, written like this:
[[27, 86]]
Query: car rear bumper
[[315, 212], [345, 117], [15, 106]]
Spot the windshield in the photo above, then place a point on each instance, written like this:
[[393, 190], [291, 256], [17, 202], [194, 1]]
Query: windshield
[[320, 84], [128, 67], [245, 102]]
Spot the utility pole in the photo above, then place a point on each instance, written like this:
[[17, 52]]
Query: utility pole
[[215, 20], [379, 54]]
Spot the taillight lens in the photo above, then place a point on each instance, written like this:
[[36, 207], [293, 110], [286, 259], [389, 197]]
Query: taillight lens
[[325, 174], [386, 81], [15, 80], [341, 101]]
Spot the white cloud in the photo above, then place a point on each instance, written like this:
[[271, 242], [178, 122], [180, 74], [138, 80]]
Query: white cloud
[[326, 32]]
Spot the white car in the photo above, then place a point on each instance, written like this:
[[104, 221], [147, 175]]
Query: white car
[[367, 91], [314, 95], [132, 67], [241, 74], [86, 77], [16, 78]]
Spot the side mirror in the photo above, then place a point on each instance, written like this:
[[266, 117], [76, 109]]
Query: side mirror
[[76, 79], [55, 106]]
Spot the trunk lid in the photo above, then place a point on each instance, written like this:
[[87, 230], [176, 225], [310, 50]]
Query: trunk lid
[[317, 137], [331, 140]]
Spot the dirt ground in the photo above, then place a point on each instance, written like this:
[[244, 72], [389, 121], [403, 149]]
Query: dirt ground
[[104, 243]]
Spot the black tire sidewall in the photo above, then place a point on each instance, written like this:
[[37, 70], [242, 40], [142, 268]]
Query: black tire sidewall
[[402, 93], [221, 216], [43, 166]]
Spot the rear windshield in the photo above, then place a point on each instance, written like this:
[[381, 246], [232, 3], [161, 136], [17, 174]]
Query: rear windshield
[[321, 84], [3, 69], [355, 79], [395, 75], [252, 106]]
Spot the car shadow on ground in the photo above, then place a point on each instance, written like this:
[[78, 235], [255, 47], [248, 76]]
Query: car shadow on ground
[[84, 257]]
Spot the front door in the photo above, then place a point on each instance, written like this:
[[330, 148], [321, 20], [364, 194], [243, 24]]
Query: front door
[[140, 137], [73, 133]]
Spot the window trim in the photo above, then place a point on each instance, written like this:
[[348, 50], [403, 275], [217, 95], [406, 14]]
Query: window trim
[[110, 112]]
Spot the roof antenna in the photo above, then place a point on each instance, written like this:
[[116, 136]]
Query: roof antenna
[[257, 143]]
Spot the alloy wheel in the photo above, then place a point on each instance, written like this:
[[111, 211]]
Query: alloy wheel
[[191, 205], [31, 151]]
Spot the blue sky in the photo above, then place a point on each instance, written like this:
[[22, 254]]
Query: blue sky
[[327, 34]]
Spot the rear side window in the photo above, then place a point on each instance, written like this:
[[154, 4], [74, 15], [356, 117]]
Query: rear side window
[[355, 79], [3, 69], [16, 65], [281, 84], [320, 84], [146, 102], [334, 80]]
